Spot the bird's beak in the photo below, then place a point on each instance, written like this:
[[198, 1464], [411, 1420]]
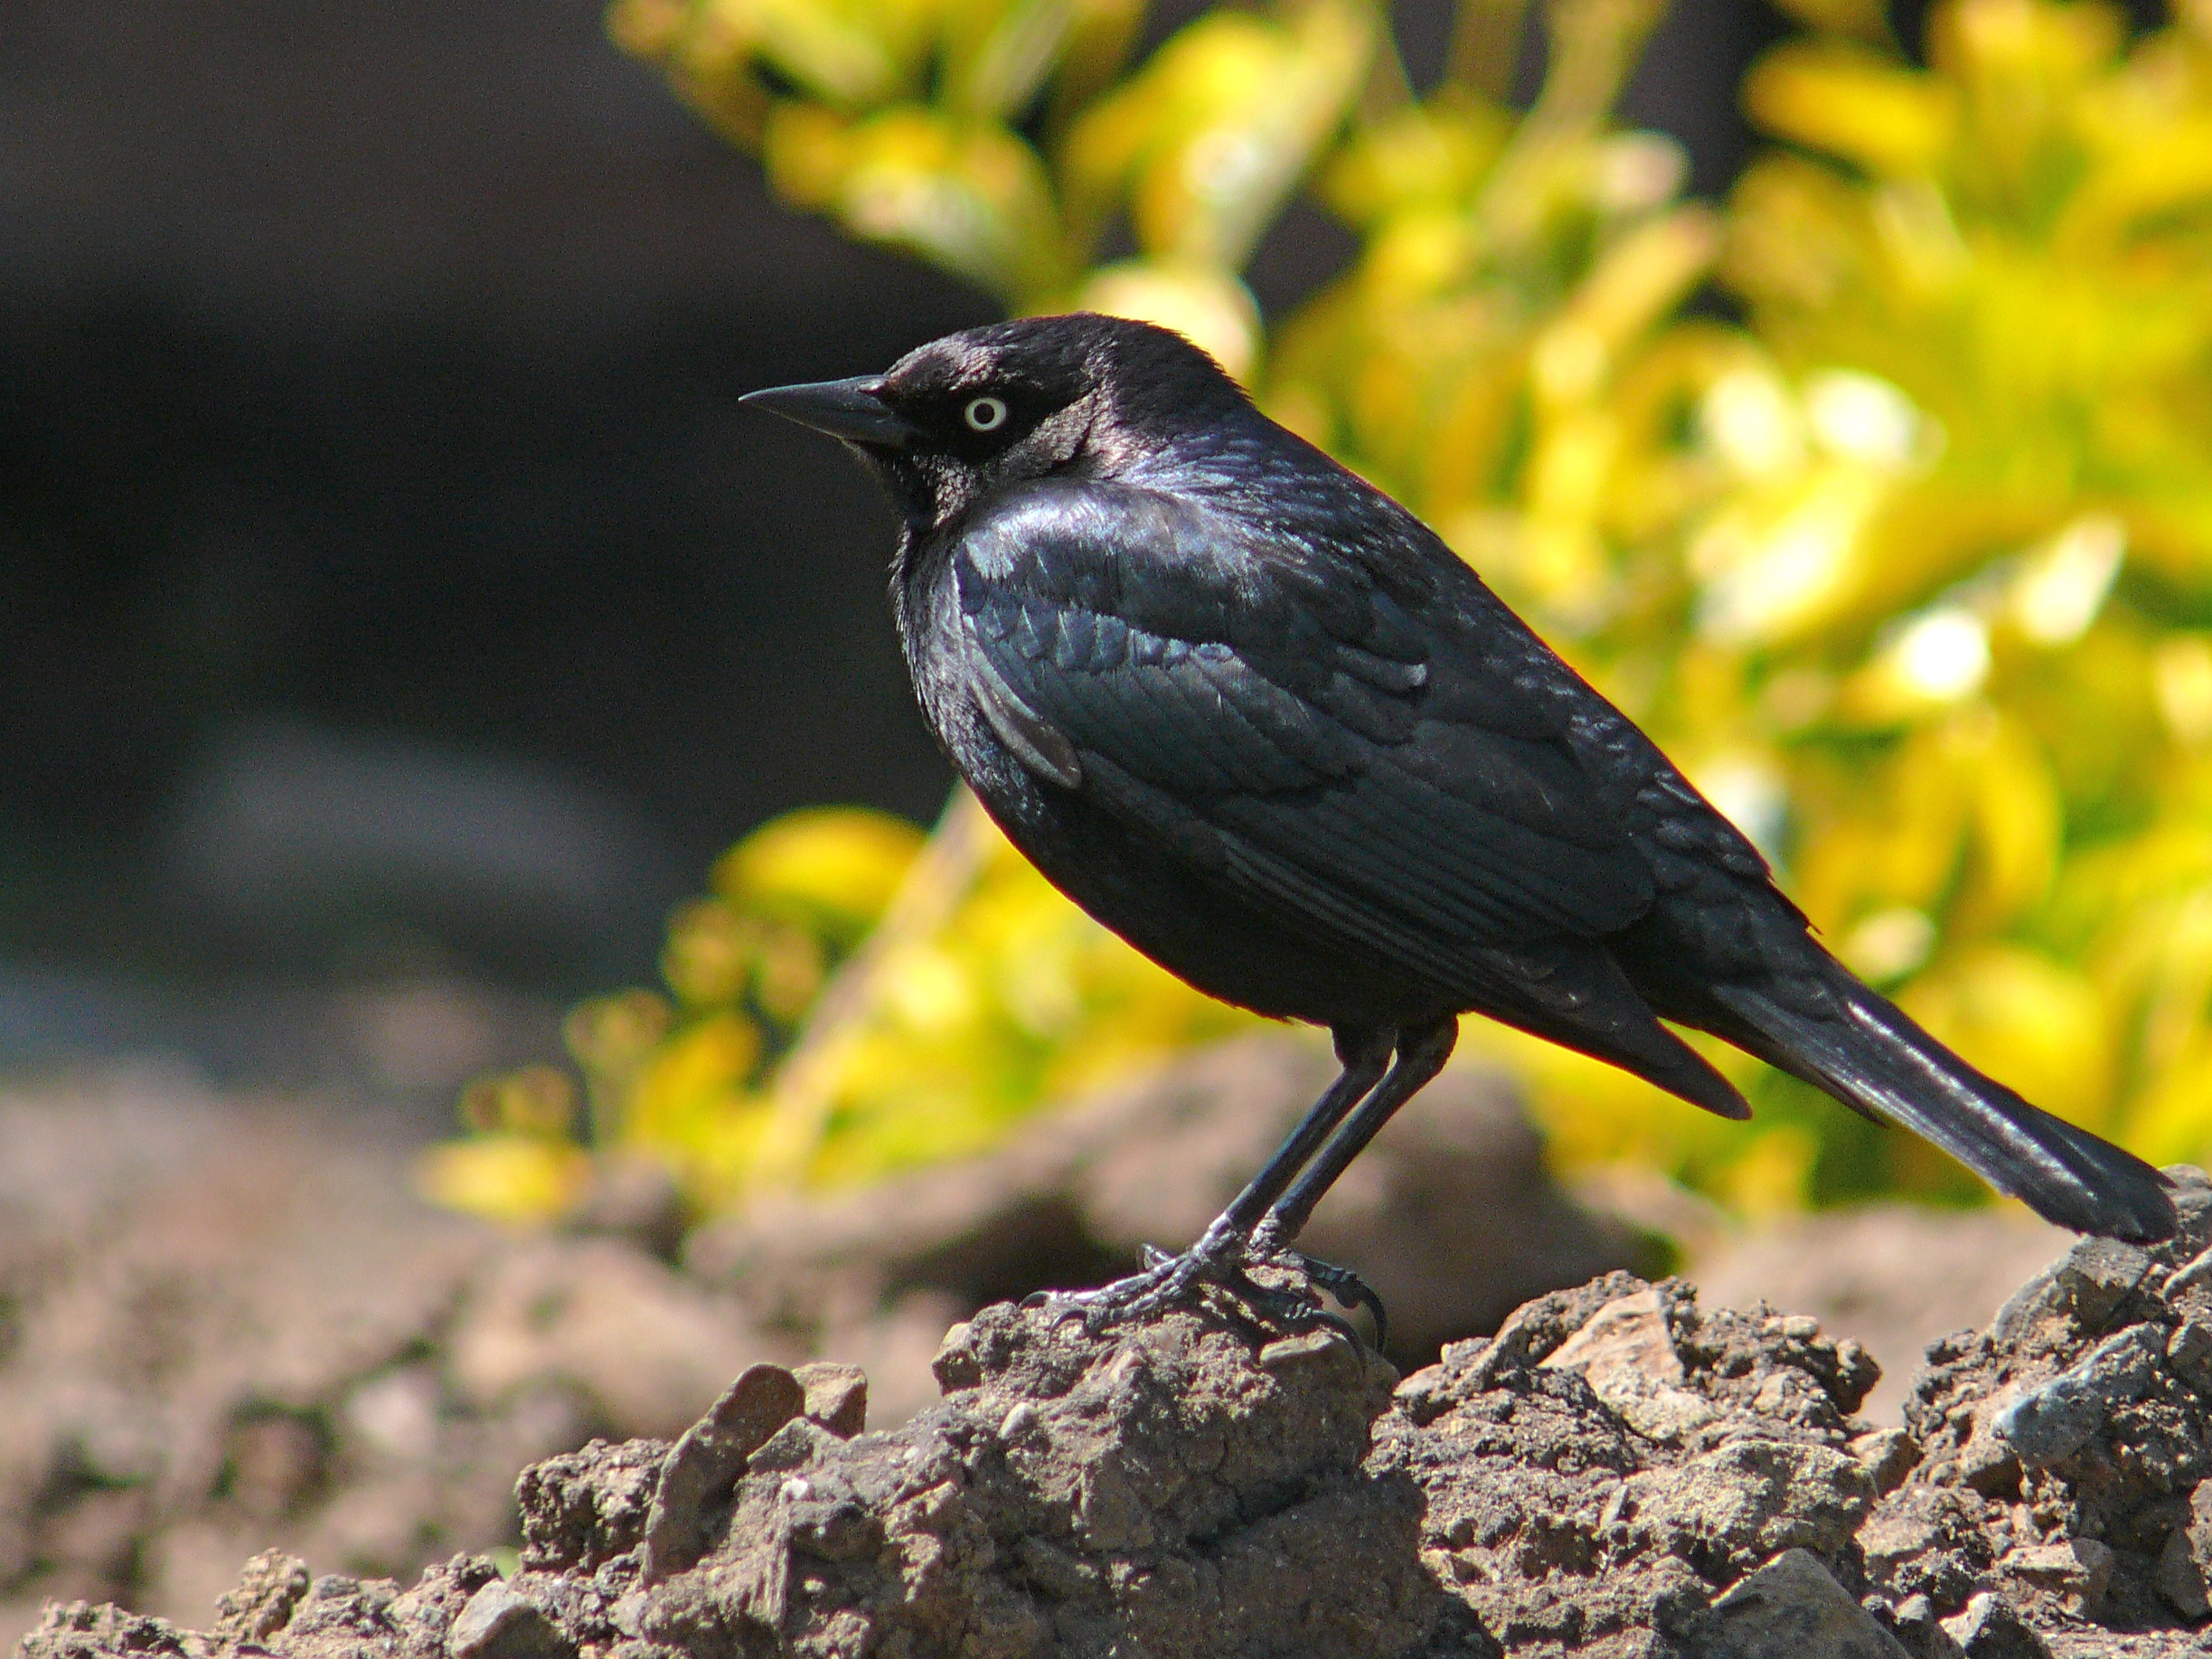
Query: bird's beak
[[851, 410]]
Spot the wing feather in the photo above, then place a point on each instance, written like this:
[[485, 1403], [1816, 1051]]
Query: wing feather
[[1339, 759]]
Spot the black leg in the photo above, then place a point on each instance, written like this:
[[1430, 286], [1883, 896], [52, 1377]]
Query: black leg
[[1364, 1055], [1421, 1053], [1221, 1251]]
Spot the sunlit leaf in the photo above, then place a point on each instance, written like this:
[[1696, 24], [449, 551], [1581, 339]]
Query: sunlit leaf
[[1866, 108], [971, 197], [840, 864], [518, 1179], [1420, 156], [535, 1101], [1202, 303], [997, 56], [710, 952], [1862, 20], [1219, 125], [849, 52]]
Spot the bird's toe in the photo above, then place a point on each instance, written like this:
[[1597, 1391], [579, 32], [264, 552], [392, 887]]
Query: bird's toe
[[1288, 1297], [1348, 1287]]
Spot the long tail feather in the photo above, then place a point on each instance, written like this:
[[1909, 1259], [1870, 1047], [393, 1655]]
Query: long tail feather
[[1875, 1059]]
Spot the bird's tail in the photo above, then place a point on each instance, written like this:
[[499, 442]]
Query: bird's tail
[[1871, 1056]]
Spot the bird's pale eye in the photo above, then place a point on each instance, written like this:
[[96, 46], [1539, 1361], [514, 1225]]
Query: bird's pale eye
[[984, 414]]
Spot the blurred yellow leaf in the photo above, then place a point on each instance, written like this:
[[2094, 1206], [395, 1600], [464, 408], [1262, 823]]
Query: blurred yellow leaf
[[710, 953], [535, 1101], [1593, 45], [1851, 103], [1773, 1174], [849, 52], [613, 1034], [1215, 130], [969, 196], [838, 864], [698, 1076], [1202, 303], [997, 55], [1418, 155], [2171, 1123], [520, 1180], [1861, 20], [1639, 280], [2018, 821]]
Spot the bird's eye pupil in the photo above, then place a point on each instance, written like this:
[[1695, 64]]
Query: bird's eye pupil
[[984, 414]]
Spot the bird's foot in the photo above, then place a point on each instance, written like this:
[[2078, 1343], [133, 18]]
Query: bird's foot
[[1220, 1261], [1347, 1286], [1163, 1281]]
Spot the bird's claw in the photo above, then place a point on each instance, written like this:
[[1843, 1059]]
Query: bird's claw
[[1162, 1281], [1347, 1288], [1166, 1280]]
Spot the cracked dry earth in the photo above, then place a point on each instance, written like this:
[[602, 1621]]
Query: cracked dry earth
[[1617, 1472]]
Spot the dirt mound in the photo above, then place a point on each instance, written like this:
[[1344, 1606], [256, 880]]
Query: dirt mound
[[224, 1325], [1615, 1457], [198, 1367], [1895, 1276], [1186, 1486], [1617, 1472], [2067, 1447], [197, 1358]]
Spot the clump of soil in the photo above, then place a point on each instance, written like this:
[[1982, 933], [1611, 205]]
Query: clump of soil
[[1600, 1472], [2066, 1448], [1617, 1472], [224, 1325]]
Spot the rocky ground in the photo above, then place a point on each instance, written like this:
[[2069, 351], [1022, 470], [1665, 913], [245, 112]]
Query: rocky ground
[[234, 1331], [1618, 1471], [224, 1325]]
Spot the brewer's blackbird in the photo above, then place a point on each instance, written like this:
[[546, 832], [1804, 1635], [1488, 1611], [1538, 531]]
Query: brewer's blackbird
[[1259, 720]]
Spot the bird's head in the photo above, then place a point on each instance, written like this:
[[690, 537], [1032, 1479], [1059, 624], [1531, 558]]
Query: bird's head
[[956, 420]]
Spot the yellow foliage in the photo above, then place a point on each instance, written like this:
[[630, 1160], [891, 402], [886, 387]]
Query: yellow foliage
[[836, 867], [1207, 140], [519, 1165], [518, 1179], [982, 993], [1912, 570]]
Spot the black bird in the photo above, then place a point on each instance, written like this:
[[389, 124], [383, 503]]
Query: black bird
[[1259, 720]]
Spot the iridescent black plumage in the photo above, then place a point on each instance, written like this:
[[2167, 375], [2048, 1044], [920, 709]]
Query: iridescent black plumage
[[1259, 720]]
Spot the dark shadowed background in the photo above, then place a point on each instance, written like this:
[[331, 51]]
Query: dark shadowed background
[[396, 612]]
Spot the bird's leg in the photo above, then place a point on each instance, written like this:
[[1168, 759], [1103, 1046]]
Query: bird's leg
[[1364, 1057], [1221, 1251], [1421, 1053]]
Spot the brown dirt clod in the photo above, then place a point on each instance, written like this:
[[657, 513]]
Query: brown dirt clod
[[1619, 1473]]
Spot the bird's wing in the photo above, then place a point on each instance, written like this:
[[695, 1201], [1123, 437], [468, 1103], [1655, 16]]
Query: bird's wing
[[1285, 721]]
